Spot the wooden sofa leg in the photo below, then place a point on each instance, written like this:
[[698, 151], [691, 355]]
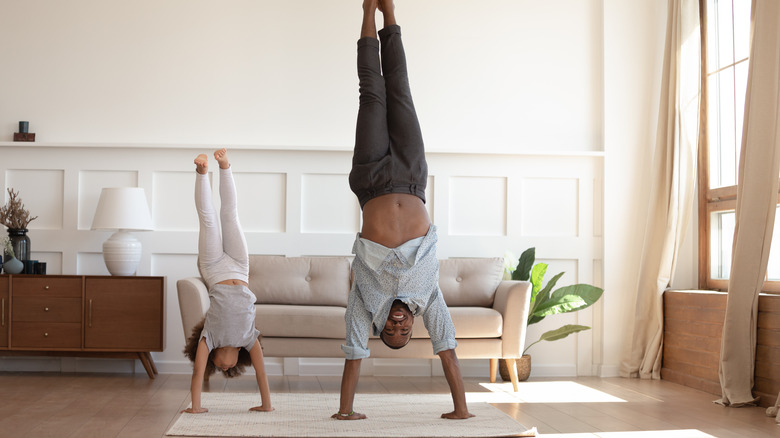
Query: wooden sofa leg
[[510, 364], [493, 370]]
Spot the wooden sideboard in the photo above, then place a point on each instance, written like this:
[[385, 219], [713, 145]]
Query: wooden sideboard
[[83, 316]]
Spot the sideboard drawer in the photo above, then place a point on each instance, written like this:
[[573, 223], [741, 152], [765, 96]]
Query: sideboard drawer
[[46, 286], [46, 309], [53, 335]]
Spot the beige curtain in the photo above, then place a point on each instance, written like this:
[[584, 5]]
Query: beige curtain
[[672, 193], [756, 204]]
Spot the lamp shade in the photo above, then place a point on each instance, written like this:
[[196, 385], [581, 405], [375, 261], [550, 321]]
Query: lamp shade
[[122, 208]]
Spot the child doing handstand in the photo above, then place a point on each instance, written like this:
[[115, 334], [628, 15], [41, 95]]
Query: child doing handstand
[[227, 338]]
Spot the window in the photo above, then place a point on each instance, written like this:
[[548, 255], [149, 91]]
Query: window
[[726, 50]]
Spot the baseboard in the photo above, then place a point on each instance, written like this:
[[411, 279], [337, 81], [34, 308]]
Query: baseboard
[[308, 366], [608, 371], [71, 365], [479, 368]]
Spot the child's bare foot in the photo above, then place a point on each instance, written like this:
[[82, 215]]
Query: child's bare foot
[[222, 159], [202, 164]]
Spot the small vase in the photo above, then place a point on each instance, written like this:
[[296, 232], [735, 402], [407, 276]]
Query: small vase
[[20, 242], [13, 266]]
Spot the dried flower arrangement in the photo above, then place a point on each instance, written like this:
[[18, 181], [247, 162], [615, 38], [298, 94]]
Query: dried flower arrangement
[[13, 214], [5, 243]]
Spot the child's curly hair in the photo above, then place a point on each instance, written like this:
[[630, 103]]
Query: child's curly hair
[[191, 348]]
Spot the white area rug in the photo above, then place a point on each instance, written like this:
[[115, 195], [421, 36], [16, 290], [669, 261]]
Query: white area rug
[[308, 415]]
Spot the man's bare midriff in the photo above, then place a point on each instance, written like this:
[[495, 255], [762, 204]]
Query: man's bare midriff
[[395, 218]]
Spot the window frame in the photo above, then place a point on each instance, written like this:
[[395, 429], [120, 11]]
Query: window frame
[[711, 200]]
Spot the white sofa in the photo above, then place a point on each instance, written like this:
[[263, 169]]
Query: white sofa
[[301, 302]]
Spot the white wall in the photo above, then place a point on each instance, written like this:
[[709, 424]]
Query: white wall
[[502, 75], [547, 107]]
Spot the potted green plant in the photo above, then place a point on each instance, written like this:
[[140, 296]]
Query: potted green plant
[[545, 302]]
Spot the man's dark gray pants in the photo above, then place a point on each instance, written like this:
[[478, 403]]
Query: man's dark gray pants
[[389, 155]]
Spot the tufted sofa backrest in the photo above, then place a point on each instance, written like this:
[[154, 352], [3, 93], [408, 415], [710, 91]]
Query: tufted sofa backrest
[[325, 281], [313, 281], [470, 281]]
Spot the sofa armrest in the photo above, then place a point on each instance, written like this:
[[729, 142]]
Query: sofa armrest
[[193, 302], [513, 299]]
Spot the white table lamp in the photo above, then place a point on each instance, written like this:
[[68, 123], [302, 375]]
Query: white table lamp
[[123, 209]]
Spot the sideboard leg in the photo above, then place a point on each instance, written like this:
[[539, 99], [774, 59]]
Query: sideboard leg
[[151, 361], [147, 366]]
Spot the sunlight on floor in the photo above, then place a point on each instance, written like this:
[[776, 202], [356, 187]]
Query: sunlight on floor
[[541, 392], [680, 433]]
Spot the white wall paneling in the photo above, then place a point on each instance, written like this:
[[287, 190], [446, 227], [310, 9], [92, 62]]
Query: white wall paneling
[[173, 200], [328, 206], [262, 201], [298, 202], [90, 183], [560, 198], [48, 202], [486, 193]]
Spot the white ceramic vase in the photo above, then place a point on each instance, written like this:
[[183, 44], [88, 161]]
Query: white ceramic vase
[[13, 266]]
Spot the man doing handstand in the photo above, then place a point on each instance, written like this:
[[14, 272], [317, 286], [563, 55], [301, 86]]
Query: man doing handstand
[[395, 267]]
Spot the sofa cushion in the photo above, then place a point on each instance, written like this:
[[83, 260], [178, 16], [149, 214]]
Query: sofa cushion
[[306, 281], [325, 322], [470, 322], [470, 281]]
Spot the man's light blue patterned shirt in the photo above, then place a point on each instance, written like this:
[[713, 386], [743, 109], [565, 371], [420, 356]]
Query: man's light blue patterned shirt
[[409, 273]]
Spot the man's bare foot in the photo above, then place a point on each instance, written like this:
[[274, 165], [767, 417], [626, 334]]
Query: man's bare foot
[[368, 28], [387, 7], [352, 416], [370, 5], [222, 159], [457, 416], [202, 164]]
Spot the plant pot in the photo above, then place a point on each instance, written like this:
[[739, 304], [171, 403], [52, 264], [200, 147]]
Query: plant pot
[[523, 366], [13, 266]]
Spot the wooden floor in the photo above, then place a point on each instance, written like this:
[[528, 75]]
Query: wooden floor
[[124, 405]]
